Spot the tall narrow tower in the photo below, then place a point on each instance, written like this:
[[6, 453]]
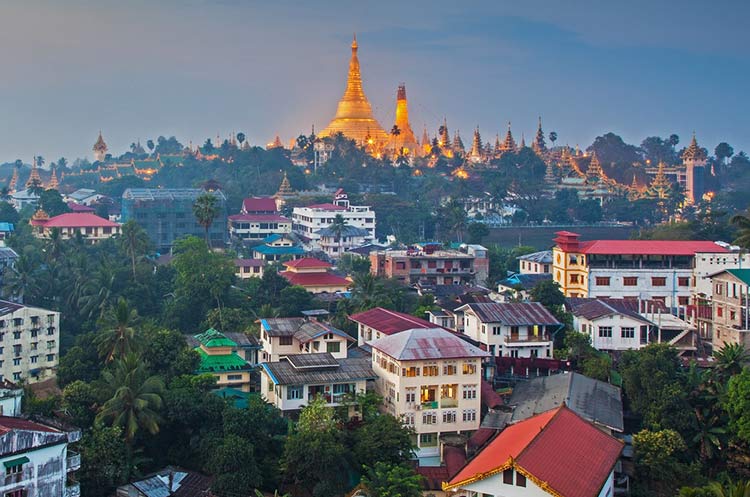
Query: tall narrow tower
[[694, 160], [404, 141], [354, 115], [100, 149]]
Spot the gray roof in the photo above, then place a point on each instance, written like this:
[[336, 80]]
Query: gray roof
[[543, 257], [168, 193], [7, 307], [284, 372], [243, 340], [420, 344], [591, 309], [591, 399], [512, 314], [302, 329]]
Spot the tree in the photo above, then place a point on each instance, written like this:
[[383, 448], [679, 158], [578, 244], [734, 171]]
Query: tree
[[103, 461], [723, 152], [294, 300], [730, 359], [233, 465], [134, 241], [382, 439], [737, 405], [731, 489], [150, 145], [241, 138], [8, 213], [477, 231], [388, 480], [339, 228], [657, 456], [117, 332], [553, 137], [136, 399], [547, 293], [742, 222], [21, 279], [206, 209]]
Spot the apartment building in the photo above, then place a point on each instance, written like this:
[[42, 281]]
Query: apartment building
[[280, 337], [731, 308], [257, 220], [379, 322], [29, 342], [308, 221], [658, 270], [431, 379], [431, 264], [519, 329]]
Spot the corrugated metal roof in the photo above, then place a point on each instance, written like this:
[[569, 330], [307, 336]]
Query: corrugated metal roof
[[349, 369], [512, 314], [389, 322], [591, 308], [299, 328], [543, 257], [426, 344], [649, 247]]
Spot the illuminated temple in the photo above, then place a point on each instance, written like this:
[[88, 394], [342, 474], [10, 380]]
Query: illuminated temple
[[354, 114]]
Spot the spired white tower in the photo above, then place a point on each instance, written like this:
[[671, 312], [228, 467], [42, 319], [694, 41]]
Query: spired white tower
[[694, 160], [100, 149]]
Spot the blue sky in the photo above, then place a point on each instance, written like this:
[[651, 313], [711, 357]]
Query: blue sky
[[195, 68]]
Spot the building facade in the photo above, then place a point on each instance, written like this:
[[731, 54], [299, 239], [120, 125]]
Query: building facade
[[731, 308], [612, 327], [257, 220], [280, 337], [308, 221], [314, 276], [167, 214], [431, 380], [536, 263], [218, 357], [90, 227], [29, 342]]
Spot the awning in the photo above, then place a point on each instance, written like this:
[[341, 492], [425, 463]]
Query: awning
[[16, 462]]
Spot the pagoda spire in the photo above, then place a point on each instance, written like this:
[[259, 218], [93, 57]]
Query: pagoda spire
[[523, 141], [509, 145], [53, 184], [458, 144], [13, 180], [693, 151], [100, 148], [444, 137], [660, 185], [34, 178], [594, 172], [498, 145], [539, 144], [476, 146], [404, 141]]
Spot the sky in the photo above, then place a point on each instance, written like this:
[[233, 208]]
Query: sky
[[198, 68]]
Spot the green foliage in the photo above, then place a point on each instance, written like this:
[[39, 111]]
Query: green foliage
[[8, 213], [206, 209], [233, 465], [52, 203], [294, 300], [389, 480], [353, 264], [658, 456], [477, 232], [79, 400], [103, 461], [737, 404], [382, 438]]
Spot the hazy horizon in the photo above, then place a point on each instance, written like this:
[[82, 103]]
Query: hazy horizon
[[196, 68]]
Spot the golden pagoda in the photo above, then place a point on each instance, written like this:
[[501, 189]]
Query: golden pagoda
[[13, 180], [426, 143], [539, 145], [660, 186], [354, 115], [475, 155], [594, 173], [404, 142], [509, 145], [34, 178], [53, 184], [285, 191], [100, 149]]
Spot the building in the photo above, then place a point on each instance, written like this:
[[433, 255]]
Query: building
[[280, 337], [169, 482], [378, 322], [657, 270], [314, 276], [100, 149], [354, 114], [248, 268], [257, 220], [554, 453], [23, 198], [431, 264], [218, 357], [612, 324], [29, 342], [694, 160], [8, 258], [37, 459], [308, 221], [520, 329], [278, 248], [6, 230], [11, 396], [536, 263], [90, 227], [430, 379], [334, 243], [595, 401], [731, 308], [295, 380], [167, 214], [517, 287]]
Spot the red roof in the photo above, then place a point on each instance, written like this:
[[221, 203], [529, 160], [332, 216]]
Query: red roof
[[557, 447], [327, 207], [77, 220], [80, 207], [307, 262], [389, 322], [259, 217], [315, 279], [8, 423], [259, 204], [649, 247], [490, 397]]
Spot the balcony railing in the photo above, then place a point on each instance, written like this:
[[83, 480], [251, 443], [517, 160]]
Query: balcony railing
[[430, 405], [74, 461], [448, 402], [529, 338], [73, 489]]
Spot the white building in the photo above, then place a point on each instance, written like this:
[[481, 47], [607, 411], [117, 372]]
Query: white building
[[10, 399], [23, 198], [307, 221], [335, 244], [257, 220], [37, 460], [294, 381], [29, 342], [379, 322], [431, 379], [611, 325], [536, 263], [519, 329], [281, 337]]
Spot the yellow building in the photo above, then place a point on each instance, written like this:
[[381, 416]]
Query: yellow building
[[218, 357], [569, 268]]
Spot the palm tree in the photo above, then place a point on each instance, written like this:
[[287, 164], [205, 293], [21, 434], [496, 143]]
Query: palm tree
[[54, 246], [339, 227], [134, 241], [205, 210], [739, 489], [21, 279], [136, 399], [730, 359], [553, 137], [710, 438], [743, 235], [97, 288], [116, 337]]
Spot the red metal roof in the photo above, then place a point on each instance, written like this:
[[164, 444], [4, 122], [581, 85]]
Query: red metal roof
[[649, 247], [259, 205], [512, 313], [307, 262], [569, 454], [259, 217], [420, 344], [389, 322], [8, 423], [77, 220], [490, 397], [315, 279]]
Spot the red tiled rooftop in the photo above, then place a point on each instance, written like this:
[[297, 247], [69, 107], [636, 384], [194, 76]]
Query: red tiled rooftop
[[8, 423], [77, 220], [314, 279], [558, 447], [307, 262], [648, 247], [259, 204], [79, 207], [389, 322], [248, 262]]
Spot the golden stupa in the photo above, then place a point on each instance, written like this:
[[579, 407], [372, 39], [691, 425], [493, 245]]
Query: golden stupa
[[403, 142], [354, 115]]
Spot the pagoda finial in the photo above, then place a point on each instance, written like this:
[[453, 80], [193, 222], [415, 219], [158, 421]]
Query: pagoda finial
[[354, 42]]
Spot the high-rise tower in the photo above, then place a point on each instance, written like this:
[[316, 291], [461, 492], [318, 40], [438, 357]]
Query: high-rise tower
[[354, 115]]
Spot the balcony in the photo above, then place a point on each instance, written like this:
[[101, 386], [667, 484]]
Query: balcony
[[72, 489], [448, 402], [73, 461], [521, 339], [430, 405]]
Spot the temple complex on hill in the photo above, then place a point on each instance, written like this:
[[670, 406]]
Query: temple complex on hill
[[354, 114]]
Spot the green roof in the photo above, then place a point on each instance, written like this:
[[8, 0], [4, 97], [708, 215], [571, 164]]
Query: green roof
[[741, 274], [212, 338], [220, 363]]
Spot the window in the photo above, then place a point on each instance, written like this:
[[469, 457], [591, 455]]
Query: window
[[574, 278], [469, 414], [602, 281], [286, 340], [469, 368], [34, 359], [429, 418], [16, 335], [520, 480], [34, 333], [428, 440], [720, 312], [630, 281], [449, 416], [683, 300], [50, 357], [333, 347], [19, 492], [449, 369], [626, 332], [408, 419], [605, 331], [430, 371], [469, 391], [342, 388], [17, 361], [294, 392], [508, 476], [683, 281], [410, 372], [411, 395], [496, 330], [658, 281]]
